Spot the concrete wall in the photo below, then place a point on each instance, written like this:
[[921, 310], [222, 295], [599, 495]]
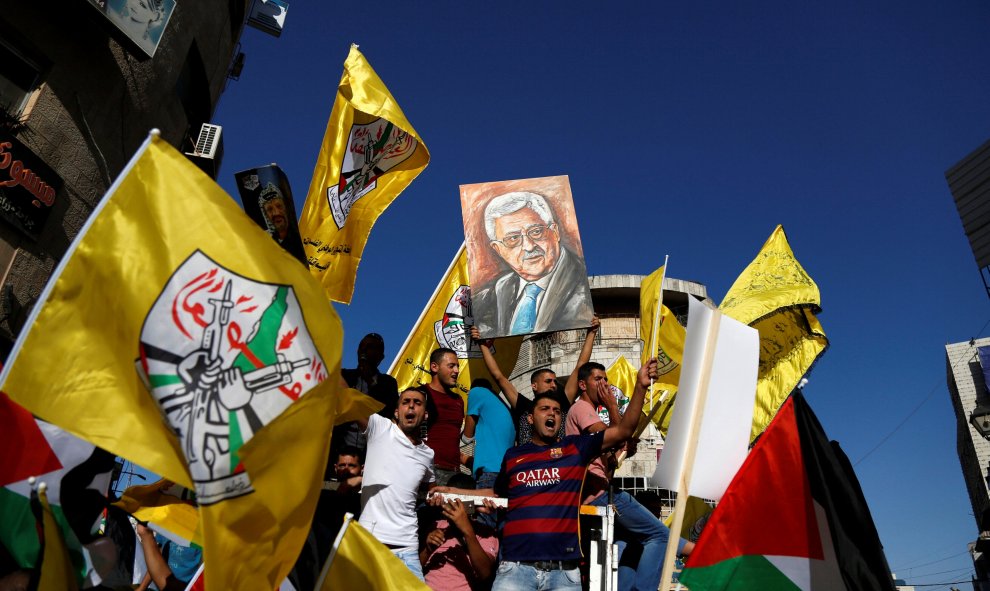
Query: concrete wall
[[96, 102]]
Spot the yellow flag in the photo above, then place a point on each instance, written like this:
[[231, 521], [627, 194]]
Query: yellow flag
[[57, 572], [445, 323], [776, 296], [669, 349], [695, 510], [188, 342], [359, 561], [370, 153], [147, 502], [622, 375]]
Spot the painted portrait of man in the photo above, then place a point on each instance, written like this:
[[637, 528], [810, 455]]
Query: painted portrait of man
[[524, 257]]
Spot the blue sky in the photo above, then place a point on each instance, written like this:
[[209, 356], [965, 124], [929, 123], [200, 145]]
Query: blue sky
[[690, 129]]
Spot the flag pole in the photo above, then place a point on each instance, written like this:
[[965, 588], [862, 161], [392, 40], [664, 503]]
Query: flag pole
[[192, 581], [40, 303], [348, 518], [694, 426], [429, 302]]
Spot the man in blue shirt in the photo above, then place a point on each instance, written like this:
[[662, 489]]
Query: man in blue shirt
[[489, 423]]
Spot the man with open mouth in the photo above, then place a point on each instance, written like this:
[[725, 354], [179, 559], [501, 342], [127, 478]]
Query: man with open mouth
[[398, 465], [542, 480], [638, 525]]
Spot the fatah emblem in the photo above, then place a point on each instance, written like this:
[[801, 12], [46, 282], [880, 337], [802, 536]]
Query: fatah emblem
[[251, 182], [452, 330], [665, 364], [621, 402], [372, 150], [223, 356]]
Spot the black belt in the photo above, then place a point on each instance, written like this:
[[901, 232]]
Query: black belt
[[547, 565]]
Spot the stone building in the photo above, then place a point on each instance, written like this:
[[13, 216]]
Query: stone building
[[616, 301], [968, 392], [81, 84]]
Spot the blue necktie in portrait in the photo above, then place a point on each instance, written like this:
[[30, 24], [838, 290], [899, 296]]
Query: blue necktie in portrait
[[526, 312]]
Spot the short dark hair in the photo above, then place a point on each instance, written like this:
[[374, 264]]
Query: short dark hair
[[555, 396], [375, 337], [536, 374], [585, 370], [350, 450], [482, 383], [437, 355], [461, 480], [421, 391]]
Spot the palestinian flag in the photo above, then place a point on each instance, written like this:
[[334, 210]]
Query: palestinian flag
[[822, 536], [77, 476]]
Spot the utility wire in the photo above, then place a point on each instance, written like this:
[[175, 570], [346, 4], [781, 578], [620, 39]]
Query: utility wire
[[910, 565], [912, 413], [932, 562], [942, 572]]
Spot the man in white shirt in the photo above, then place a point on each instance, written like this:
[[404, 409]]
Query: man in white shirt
[[397, 466]]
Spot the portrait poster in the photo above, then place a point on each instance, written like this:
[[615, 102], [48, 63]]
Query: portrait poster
[[267, 199], [525, 257]]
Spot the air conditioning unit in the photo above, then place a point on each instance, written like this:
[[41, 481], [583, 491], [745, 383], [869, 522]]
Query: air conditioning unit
[[208, 141], [208, 149]]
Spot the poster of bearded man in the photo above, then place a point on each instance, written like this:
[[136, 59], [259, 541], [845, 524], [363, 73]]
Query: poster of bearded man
[[525, 257]]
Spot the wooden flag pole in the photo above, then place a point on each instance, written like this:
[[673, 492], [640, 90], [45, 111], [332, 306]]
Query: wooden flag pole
[[692, 447], [348, 518]]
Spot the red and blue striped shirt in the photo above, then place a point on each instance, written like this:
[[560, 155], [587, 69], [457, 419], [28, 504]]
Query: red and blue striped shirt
[[543, 485]]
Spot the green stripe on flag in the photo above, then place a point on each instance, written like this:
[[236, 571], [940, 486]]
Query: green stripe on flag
[[264, 344], [19, 534], [158, 380], [742, 572], [236, 441]]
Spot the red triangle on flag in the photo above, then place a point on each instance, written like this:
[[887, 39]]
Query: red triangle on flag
[[768, 509], [28, 453]]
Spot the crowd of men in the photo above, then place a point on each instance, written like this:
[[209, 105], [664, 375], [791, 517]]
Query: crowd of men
[[546, 455]]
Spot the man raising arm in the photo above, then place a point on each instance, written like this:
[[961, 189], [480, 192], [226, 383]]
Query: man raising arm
[[542, 480], [641, 525]]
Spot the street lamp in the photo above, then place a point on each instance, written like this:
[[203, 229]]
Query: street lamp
[[980, 418]]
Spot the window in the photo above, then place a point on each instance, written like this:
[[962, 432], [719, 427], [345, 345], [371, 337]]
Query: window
[[540, 351], [19, 78]]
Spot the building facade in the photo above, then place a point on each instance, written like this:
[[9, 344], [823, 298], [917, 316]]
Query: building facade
[[971, 405], [81, 84], [967, 390]]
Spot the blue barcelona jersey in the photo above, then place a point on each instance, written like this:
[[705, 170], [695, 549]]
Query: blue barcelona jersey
[[543, 485]]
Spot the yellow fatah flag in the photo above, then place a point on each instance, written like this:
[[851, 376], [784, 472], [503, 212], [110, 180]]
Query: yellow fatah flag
[[57, 572], [622, 375], [776, 296], [445, 322], [188, 342], [695, 510], [669, 348], [148, 502], [359, 561], [370, 153]]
